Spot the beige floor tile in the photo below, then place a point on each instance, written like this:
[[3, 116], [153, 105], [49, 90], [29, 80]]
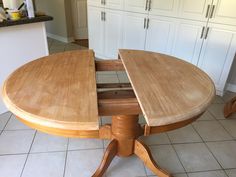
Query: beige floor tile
[[15, 124], [231, 172], [218, 100], [12, 165], [156, 139], [107, 78], [175, 175], [77, 144], [211, 131], [225, 152], [15, 142], [217, 111], [206, 116], [83, 163], [219, 173], [166, 158], [228, 96], [4, 118], [130, 167], [45, 164], [230, 126], [196, 157], [48, 143], [184, 135]]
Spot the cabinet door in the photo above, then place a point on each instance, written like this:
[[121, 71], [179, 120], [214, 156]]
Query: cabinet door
[[114, 4], [188, 41], [136, 6], [96, 30], [113, 33], [224, 12], [164, 7], [160, 34], [217, 54], [195, 9], [97, 3], [134, 32]]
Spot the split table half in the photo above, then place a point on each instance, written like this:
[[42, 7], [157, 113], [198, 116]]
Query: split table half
[[59, 95]]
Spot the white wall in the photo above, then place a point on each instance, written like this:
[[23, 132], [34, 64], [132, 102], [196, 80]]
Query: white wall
[[61, 26]]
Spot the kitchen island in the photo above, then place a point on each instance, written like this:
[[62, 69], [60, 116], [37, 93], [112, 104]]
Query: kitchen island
[[20, 42]]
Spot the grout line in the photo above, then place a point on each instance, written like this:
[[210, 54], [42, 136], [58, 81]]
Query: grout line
[[177, 154], [64, 172], [28, 154], [6, 124]]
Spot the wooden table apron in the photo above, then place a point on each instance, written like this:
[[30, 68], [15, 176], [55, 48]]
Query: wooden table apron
[[59, 95]]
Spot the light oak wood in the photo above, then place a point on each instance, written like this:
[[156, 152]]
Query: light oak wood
[[109, 155], [168, 89], [58, 91], [109, 65], [230, 108], [143, 152]]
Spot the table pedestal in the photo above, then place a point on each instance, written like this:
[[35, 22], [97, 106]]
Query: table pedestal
[[125, 131]]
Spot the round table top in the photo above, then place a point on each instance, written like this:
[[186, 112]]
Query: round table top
[[59, 90]]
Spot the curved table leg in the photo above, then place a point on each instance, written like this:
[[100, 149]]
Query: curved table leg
[[143, 152], [109, 155], [230, 107]]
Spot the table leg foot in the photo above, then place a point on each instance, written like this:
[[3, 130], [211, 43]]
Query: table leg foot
[[109, 155], [230, 108], [143, 152]]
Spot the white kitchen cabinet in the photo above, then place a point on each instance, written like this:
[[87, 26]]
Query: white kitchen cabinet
[[160, 34], [96, 30], [113, 33], [134, 30], [97, 3], [218, 52], [164, 7], [195, 9], [105, 32], [188, 40], [114, 4], [140, 6], [224, 12]]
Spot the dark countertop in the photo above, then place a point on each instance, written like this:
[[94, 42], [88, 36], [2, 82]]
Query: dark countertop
[[26, 20]]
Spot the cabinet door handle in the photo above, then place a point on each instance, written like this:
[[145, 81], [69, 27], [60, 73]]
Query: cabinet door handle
[[144, 24], [148, 23], [101, 16], [149, 7], [203, 29], [102, 2], [212, 11], [208, 8], [104, 16], [207, 32], [146, 6]]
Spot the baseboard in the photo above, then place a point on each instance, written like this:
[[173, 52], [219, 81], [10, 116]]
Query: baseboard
[[60, 38], [231, 87]]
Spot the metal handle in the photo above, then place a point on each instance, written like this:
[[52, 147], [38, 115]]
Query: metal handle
[[149, 7], [208, 8], [207, 32], [203, 29], [104, 2], [148, 23], [212, 11], [146, 6], [144, 24], [104, 16], [101, 16]]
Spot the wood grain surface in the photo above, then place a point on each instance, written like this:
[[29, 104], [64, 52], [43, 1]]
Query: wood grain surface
[[58, 91], [168, 89]]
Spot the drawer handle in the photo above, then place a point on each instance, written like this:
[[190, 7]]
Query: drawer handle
[[144, 24], [207, 33], [203, 29], [146, 6], [212, 11]]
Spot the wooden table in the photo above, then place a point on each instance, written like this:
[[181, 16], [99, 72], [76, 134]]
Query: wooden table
[[59, 95]]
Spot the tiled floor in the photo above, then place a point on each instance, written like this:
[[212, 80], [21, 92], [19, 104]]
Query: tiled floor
[[206, 148]]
